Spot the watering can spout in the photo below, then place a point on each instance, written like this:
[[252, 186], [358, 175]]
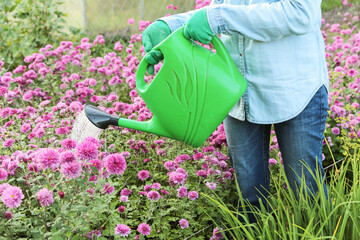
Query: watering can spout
[[103, 120]]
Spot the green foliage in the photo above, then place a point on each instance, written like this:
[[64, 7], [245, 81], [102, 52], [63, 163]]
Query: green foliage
[[310, 217], [26, 26], [328, 5]]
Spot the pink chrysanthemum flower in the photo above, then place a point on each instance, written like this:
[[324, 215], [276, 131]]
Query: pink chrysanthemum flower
[[335, 130], [184, 223], [143, 174], [12, 197], [125, 154], [170, 165], [3, 174], [211, 185], [144, 229], [193, 195], [182, 192], [96, 163], [25, 128], [153, 195], [3, 187], [62, 131], [68, 144], [115, 163], [71, 170], [45, 197], [176, 178], [93, 140], [124, 198], [86, 150], [48, 158], [272, 161], [67, 156], [122, 230], [156, 186], [131, 21]]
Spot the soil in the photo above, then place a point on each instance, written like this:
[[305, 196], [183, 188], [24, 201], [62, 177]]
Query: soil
[[337, 15]]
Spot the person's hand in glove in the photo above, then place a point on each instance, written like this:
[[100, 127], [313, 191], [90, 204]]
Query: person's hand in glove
[[197, 27], [152, 36]]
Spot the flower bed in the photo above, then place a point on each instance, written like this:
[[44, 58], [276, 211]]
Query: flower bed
[[126, 183]]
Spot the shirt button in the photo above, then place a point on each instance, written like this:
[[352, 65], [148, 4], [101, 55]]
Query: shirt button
[[240, 54]]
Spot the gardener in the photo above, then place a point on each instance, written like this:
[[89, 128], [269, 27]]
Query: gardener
[[278, 47]]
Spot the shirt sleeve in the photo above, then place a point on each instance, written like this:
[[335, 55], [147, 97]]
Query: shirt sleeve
[[265, 21], [178, 20]]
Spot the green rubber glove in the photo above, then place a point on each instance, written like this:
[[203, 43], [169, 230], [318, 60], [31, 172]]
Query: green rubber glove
[[152, 36], [197, 27]]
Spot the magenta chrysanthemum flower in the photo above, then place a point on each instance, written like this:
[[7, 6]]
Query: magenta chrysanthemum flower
[[182, 192], [153, 195], [198, 156], [108, 189], [125, 192], [182, 158], [121, 209], [143, 174], [8, 215], [68, 143], [71, 169], [67, 156], [48, 158], [184, 223], [217, 235], [147, 188], [8, 142], [45, 197], [86, 150], [144, 229], [193, 195], [122, 230], [115, 163], [12, 197], [3, 174]]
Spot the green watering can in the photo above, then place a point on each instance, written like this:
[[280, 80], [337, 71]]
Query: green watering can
[[190, 95]]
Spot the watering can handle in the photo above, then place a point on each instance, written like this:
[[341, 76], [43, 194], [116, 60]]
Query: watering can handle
[[221, 50], [140, 82]]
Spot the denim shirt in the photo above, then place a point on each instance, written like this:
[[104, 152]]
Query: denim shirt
[[278, 47]]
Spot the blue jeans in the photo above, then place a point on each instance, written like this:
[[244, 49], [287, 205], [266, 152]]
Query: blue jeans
[[300, 141]]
